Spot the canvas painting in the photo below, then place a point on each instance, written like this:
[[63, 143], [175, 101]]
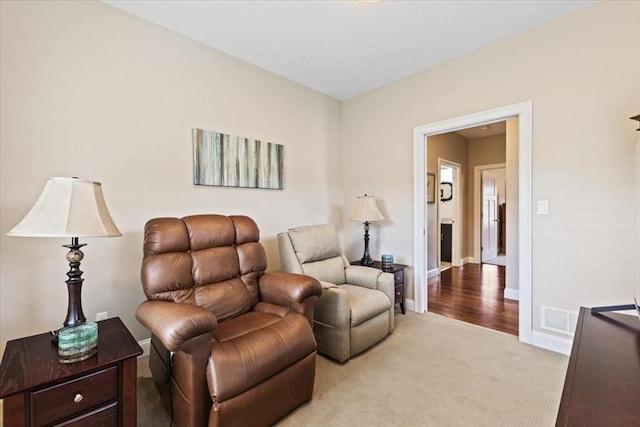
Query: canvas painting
[[224, 160]]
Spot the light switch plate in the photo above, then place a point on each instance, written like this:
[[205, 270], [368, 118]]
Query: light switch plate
[[543, 207]]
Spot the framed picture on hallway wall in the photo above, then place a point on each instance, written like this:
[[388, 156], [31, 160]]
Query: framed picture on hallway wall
[[431, 188]]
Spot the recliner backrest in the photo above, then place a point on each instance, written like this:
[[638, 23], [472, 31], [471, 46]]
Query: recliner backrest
[[212, 261], [318, 251]]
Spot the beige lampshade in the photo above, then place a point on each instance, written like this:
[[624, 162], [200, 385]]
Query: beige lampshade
[[68, 207], [366, 210]]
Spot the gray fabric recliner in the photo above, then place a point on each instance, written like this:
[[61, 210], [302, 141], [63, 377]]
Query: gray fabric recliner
[[355, 310]]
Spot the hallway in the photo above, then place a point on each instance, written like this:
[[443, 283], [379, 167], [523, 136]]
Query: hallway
[[474, 293]]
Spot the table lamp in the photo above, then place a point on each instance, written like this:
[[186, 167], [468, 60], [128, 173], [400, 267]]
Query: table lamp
[[366, 211], [69, 207]]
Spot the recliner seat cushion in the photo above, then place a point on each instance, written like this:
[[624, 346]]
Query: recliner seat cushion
[[365, 303], [251, 348]]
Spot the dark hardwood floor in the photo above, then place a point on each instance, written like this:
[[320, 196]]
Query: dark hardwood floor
[[474, 293]]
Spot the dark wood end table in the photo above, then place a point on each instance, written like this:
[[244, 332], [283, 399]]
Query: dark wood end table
[[99, 391], [602, 386]]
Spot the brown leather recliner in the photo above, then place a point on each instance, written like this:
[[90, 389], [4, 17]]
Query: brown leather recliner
[[231, 344]]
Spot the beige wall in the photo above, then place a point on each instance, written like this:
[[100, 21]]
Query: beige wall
[[487, 150], [90, 91], [581, 73]]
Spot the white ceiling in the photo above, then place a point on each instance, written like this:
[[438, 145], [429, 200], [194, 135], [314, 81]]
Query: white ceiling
[[498, 128], [345, 48]]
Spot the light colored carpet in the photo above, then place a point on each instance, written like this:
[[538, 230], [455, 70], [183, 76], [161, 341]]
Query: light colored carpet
[[432, 371]]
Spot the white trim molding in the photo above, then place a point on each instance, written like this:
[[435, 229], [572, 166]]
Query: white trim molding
[[552, 342], [523, 111], [433, 273], [146, 346], [513, 294], [410, 305], [637, 250]]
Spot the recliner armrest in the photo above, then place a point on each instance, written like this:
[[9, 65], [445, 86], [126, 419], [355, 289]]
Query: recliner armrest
[[362, 276], [333, 307], [371, 278], [287, 288], [374, 279], [296, 291], [175, 324]]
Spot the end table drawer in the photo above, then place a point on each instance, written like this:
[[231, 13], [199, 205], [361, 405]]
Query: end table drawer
[[399, 277], [106, 416], [73, 397], [399, 291]]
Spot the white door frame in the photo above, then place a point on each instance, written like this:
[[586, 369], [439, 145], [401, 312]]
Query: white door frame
[[456, 242], [637, 266], [477, 207], [523, 111]]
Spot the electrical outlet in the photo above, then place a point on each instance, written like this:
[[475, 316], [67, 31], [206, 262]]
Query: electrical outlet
[[102, 316]]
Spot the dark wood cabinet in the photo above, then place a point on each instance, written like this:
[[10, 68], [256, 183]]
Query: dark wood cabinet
[[602, 386], [502, 229], [398, 276], [100, 391], [446, 242]]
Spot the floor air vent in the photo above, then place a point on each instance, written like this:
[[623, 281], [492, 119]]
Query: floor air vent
[[557, 320]]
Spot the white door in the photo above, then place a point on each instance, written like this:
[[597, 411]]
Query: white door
[[489, 216]]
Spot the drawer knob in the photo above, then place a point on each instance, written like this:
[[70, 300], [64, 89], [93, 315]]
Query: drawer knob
[[78, 398]]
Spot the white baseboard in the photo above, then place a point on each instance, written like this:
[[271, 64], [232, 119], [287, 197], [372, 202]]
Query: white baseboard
[[551, 342], [469, 260], [146, 346], [512, 294], [433, 273], [410, 305], [538, 339]]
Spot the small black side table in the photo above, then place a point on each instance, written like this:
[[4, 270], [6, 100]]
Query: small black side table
[[398, 275]]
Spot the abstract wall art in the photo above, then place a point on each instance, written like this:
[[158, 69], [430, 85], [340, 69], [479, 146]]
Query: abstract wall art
[[233, 161]]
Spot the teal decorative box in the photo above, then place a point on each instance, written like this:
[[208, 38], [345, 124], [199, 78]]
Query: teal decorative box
[[77, 342], [387, 262]]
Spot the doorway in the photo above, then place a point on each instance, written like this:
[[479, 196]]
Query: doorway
[[474, 293], [474, 290], [449, 214], [518, 118], [492, 226]]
